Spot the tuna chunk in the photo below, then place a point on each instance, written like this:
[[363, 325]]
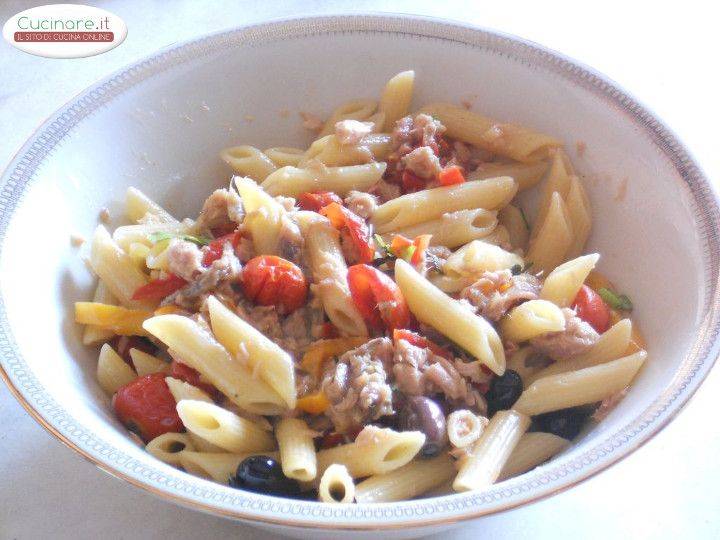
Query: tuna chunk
[[357, 385], [496, 293], [351, 132], [577, 338], [361, 203], [410, 133], [222, 208], [423, 162], [184, 259]]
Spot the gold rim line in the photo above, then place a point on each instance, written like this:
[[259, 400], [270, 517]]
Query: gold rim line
[[324, 25]]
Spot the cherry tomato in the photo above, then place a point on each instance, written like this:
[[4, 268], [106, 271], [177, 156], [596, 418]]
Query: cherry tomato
[[316, 200], [147, 407], [343, 219], [592, 309], [378, 298], [123, 344], [269, 280], [157, 289], [411, 182], [451, 176], [181, 371], [422, 342], [214, 249]]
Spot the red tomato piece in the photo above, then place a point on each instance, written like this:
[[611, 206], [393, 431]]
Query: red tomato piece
[[157, 289], [147, 407], [315, 200], [411, 182], [223, 230], [421, 244], [343, 219], [378, 298], [269, 280], [592, 309], [421, 341], [399, 245], [331, 440], [451, 176], [328, 331], [181, 371], [123, 344], [213, 251]]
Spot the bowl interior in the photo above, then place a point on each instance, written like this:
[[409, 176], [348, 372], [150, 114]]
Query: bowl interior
[[162, 133]]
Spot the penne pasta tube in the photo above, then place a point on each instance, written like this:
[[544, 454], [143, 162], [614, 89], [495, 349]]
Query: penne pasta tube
[[181, 390], [262, 356], [116, 269], [407, 482], [580, 387], [336, 485], [126, 235], [433, 307], [464, 427], [508, 140], [531, 319], [283, 156], [223, 428], [199, 349], [579, 214], [555, 236], [217, 466], [532, 450], [558, 180], [511, 217], [138, 205], [328, 151], [453, 229], [145, 363], [396, 97], [297, 449], [248, 161], [375, 451], [491, 451], [358, 109], [563, 283], [517, 361], [168, 447], [263, 215], [119, 320], [477, 257], [112, 371], [527, 175], [95, 334], [429, 204], [292, 181]]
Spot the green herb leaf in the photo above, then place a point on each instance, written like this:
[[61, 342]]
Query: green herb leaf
[[382, 245], [409, 252], [160, 236], [614, 300]]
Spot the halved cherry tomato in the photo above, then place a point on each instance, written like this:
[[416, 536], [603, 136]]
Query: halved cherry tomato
[[411, 182], [315, 200], [123, 344], [451, 176], [214, 249], [343, 219], [421, 341], [378, 298], [147, 407], [181, 371], [269, 280], [158, 289], [592, 309]]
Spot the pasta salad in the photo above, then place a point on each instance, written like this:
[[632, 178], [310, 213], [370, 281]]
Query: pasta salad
[[370, 319]]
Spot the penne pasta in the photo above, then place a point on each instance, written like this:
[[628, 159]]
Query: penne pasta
[[429, 204], [169, 447], [95, 334], [181, 390], [478, 257], [112, 371], [265, 358], [407, 482], [248, 161], [216, 466], [464, 427], [491, 451], [119, 320], [508, 140], [223, 428], [145, 363], [282, 156], [512, 218], [202, 352], [138, 206], [396, 97], [127, 235], [563, 283], [578, 207], [433, 307], [580, 387], [264, 215], [531, 319], [297, 449], [532, 450], [518, 362], [558, 180], [527, 175], [554, 238], [291, 181], [336, 485], [358, 109], [453, 229]]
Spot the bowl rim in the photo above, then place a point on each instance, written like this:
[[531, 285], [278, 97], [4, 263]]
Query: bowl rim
[[193, 492]]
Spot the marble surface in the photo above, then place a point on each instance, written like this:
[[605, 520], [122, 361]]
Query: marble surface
[[668, 488]]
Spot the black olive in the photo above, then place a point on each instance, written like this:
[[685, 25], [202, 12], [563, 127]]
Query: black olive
[[262, 474], [504, 391], [419, 413], [565, 423]]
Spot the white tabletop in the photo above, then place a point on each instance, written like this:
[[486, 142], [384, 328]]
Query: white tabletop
[[663, 55]]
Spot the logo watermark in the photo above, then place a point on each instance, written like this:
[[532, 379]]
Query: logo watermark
[[65, 31]]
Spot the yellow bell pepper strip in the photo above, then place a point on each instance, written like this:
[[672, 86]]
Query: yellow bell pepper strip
[[316, 403], [120, 320], [321, 351]]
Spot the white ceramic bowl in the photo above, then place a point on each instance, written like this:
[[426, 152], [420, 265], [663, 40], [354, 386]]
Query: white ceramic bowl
[[159, 125]]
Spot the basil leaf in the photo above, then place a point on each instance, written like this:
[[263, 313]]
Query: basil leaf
[[160, 236], [614, 300], [382, 245]]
